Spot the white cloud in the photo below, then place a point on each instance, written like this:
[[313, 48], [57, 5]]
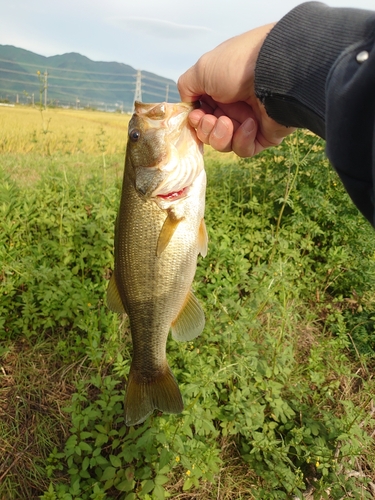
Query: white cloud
[[159, 28]]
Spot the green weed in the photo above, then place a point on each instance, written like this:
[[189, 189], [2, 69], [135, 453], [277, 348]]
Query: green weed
[[278, 389]]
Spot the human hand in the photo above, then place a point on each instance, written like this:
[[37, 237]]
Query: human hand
[[231, 118]]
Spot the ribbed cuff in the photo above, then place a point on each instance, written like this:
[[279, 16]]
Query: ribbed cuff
[[296, 57]]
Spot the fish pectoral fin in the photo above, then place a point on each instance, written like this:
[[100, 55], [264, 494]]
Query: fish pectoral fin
[[167, 231], [190, 320], [143, 397], [114, 301], [202, 239]]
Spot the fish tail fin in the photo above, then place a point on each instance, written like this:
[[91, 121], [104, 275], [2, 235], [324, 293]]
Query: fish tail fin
[[143, 397]]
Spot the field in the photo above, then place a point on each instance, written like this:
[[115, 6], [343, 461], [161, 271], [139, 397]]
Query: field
[[278, 389]]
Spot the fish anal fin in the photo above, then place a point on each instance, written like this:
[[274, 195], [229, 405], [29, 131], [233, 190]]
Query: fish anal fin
[[202, 239], [190, 320], [114, 301], [144, 396], [167, 231]]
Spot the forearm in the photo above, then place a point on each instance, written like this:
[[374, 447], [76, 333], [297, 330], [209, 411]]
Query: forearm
[[316, 70]]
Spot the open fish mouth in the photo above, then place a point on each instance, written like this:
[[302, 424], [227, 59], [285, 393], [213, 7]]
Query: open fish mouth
[[173, 180], [184, 164], [175, 195]]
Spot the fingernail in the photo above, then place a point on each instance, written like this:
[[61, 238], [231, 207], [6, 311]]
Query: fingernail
[[248, 126], [206, 127], [193, 122], [220, 130]]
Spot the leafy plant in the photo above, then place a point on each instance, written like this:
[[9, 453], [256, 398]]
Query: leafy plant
[[278, 389]]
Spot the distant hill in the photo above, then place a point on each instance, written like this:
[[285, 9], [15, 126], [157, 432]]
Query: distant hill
[[77, 81]]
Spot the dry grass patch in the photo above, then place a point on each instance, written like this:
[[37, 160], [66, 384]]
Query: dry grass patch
[[25, 130], [34, 387]]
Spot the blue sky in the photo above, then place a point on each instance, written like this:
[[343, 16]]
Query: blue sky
[[164, 36]]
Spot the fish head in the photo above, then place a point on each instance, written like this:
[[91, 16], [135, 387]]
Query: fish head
[[163, 152]]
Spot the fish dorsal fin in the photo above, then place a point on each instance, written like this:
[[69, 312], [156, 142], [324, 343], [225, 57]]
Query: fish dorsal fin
[[190, 320], [167, 231], [114, 301], [202, 239]]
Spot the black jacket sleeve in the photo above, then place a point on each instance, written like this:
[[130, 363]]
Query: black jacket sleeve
[[316, 70]]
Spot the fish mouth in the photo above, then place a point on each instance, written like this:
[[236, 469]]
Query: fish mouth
[[162, 110], [171, 117], [175, 195], [170, 176]]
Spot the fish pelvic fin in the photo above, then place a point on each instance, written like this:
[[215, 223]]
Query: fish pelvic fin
[[167, 231], [114, 301], [202, 239], [190, 320], [144, 396]]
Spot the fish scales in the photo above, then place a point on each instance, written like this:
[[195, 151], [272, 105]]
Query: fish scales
[[158, 236], [154, 297]]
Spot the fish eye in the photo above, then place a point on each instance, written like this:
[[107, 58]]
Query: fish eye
[[134, 134]]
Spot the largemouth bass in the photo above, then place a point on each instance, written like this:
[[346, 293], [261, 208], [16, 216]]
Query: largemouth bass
[[159, 233]]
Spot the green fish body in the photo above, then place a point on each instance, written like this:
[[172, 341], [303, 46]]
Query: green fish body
[[159, 233]]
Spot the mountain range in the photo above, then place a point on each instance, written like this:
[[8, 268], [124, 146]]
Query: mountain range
[[75, 80]]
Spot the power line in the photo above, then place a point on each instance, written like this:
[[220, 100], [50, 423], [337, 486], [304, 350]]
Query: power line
[[154, 79], [158, 94], [121, 84], [120, 89], [20, 81], [141, 85], [67, 69], [144, 89], [162, 93], [144, 75], [64, 98], [91, 81], [14, 71], [53, 70], [65, 78], [36, 84]]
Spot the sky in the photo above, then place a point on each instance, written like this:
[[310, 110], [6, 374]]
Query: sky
[[164, 37]]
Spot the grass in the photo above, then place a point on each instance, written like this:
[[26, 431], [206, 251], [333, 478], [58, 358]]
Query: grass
[[279, 387], [26, 130], [32, 422]]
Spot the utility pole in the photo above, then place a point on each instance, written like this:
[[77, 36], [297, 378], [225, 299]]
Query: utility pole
[[45, 89], [166, 92], [138, 88]]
